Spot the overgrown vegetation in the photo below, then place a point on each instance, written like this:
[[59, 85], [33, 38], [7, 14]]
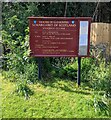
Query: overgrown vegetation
[[58, 98], [21, 69]]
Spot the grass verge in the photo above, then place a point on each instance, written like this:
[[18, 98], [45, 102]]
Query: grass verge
[[55, 99]]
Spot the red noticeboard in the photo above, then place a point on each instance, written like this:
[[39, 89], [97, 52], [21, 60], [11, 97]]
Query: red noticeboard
[[59, 36]]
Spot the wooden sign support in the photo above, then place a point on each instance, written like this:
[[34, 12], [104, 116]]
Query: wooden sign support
[[79, 71], [39, 68]]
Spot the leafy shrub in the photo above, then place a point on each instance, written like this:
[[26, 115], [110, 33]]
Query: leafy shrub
[[101, 105], [30, 72], [22, 88], [10, 75], [68, 71], [46, 67], [21, 82], [100, 77], [86, 65], [71, 70]]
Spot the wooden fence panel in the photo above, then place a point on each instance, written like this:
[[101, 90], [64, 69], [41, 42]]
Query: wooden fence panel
[[100, 37], [100, 33]]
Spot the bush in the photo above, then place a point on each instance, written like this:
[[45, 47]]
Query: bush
[[10, 75], [31, 72], [68, 71], [86, 66], [100, 77], [22, 88]]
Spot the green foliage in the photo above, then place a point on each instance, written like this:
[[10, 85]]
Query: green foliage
[[46, 67], [94, 74], [62, 99], [30, 72], [98, 76], [101, 105], [22, 88], [69, 71], [18, 59], [12, 76], [86, 65]]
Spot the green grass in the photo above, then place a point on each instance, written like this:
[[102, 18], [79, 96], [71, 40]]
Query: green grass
[[51, 99]]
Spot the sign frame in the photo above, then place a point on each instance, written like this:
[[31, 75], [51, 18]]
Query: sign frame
[[78, 19]]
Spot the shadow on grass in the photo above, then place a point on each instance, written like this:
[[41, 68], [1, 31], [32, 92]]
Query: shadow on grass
[[65, 87]]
